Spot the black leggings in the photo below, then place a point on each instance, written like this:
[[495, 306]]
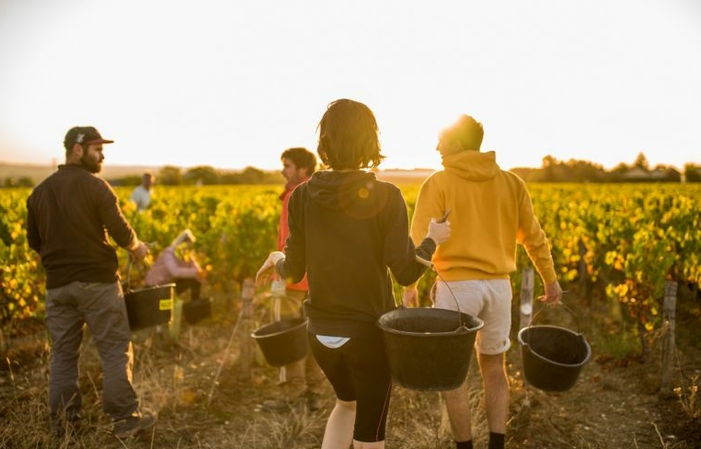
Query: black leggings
[[358, 371], [191, 284]]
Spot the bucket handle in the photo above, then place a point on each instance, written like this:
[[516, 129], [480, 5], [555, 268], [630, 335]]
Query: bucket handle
[[579, 330], [461, 323], [130, 263], [430, 265]]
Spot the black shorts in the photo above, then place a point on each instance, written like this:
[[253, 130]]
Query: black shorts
[[358, 371]]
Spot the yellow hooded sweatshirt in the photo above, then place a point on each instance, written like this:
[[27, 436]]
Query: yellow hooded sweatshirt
[[491, 211]]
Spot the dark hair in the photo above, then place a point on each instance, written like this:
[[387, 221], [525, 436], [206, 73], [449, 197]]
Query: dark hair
[[302, 158], [349, 136], [467, 131], [84, 146]]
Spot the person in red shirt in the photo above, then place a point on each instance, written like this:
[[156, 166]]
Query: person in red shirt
[[304, 379]]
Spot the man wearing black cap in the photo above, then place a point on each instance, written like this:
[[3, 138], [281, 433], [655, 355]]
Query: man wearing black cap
[[68, 218]]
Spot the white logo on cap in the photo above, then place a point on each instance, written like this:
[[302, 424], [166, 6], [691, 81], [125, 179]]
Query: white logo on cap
[[80, 138]]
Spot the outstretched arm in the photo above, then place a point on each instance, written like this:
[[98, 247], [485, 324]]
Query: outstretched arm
[[267, 272]]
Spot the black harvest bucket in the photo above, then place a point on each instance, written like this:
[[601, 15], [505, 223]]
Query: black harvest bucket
[[552, 356], [149, 306], [429, 349], [283, 342], [197, 310]]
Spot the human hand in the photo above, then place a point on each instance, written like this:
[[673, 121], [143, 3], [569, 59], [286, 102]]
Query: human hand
[[266, 272], [140, 251], [410, 298], [439, 232], [553, 294]]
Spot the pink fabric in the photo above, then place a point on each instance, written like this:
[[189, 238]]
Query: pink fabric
[[284, 231], [168, 267]]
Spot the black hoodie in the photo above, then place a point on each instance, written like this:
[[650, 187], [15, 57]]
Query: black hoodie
[[347, 232]]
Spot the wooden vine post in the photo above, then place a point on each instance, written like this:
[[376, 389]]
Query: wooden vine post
[[526, 306], [668, 342], [248, 290], [526, 313]]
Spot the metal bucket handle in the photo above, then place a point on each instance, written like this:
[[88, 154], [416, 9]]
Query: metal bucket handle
[[461, 323], [130, 263], [429, 264], [579, 330]]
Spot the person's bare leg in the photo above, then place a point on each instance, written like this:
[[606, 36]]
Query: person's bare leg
[[339, 428], [496, 391], [458, 406]]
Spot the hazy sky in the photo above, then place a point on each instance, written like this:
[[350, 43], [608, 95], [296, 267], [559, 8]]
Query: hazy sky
[[232, 83]]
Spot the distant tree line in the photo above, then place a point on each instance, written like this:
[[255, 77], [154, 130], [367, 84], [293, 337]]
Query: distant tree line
[[574, 170], [21, 181], [205, 175], [170, 175], [552, 170]]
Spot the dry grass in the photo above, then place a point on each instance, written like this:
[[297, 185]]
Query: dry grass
[[174, 379], [197, 388]]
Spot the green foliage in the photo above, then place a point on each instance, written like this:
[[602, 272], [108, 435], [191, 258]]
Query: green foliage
[[170, 176], [21, 284], [575, 170], [203, 175], [235, 226], [633, 236], [206, 175], [692, 173], [630, 238], [617, 345], [21, 181]]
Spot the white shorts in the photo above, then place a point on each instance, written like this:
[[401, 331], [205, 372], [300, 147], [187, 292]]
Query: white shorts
[[490, 300]]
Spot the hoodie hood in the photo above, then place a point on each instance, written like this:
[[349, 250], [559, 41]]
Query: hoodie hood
[[356, 192], [472, 165], [290, 186]]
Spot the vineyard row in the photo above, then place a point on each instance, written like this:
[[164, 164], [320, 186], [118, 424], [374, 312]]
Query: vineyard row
[[629, 238]]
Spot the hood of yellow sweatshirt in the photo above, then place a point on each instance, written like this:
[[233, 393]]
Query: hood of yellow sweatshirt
[[472, 165]]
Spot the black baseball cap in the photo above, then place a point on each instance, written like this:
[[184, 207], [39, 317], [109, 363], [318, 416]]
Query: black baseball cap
[[83, 134]]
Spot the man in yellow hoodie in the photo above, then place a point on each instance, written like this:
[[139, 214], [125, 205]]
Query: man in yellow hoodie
[[491, 212]]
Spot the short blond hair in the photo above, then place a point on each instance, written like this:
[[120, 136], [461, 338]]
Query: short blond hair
[[467, 131]]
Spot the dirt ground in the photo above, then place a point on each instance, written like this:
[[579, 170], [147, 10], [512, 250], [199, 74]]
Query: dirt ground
[[204, 399]]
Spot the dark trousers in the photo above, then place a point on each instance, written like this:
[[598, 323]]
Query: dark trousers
[[188, 284], [102, 307]]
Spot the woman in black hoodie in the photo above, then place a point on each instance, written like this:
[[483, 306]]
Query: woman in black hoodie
[[348, 232]]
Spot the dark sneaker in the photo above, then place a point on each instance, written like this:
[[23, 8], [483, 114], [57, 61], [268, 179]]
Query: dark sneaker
[[60, 427], [129, 427], [283, 405], [312, 401], [277, 405]]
